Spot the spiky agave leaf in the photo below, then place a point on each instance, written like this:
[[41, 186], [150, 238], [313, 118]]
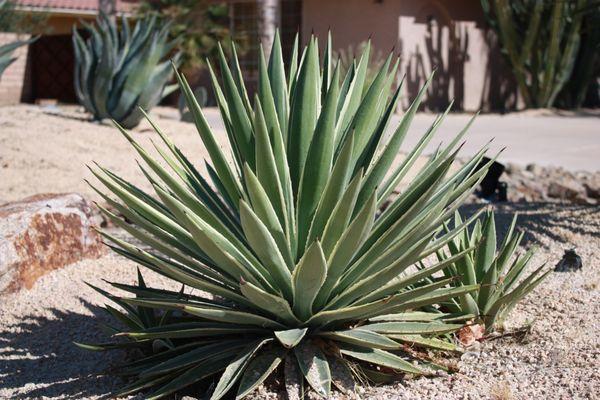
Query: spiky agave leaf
[[286, 246], [118, 70], [498, 271]]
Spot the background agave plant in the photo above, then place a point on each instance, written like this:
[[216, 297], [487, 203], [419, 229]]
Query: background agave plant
[[291, 263], [119, 70], [497, 271], [201, 95]]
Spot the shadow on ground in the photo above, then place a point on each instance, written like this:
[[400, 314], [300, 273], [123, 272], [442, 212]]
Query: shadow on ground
[[541, 220], [39, 358]]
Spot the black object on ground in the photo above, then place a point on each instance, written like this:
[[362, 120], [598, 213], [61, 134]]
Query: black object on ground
[[570, 262], [502, 191], [491, 189]]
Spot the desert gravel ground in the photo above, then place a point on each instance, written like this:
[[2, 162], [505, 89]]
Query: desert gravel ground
[[558, 359], [45, 153], [46, 150]]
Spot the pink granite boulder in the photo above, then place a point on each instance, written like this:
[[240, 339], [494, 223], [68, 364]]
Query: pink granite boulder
[[42, 233]]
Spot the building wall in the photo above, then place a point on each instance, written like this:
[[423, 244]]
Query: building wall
[[63, 24], [15, 81], [448, 35], [43, 69], [246, 25]]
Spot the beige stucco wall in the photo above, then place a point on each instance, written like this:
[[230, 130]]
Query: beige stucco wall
[[468, 65], [14, 82]]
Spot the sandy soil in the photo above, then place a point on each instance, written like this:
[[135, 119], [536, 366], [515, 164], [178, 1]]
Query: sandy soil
[[45, 153], [558, 359]]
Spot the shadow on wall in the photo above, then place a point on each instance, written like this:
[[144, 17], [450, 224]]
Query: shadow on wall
[[469, 67], [446, 51], [500, 87]]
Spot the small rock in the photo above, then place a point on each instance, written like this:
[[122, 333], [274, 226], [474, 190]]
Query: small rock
[[592, 188], [570, 262], [513, 169], [470, 334], [566, 189], [442, 374], [534, 169], [42, 233], [469, 356], [529, 191]]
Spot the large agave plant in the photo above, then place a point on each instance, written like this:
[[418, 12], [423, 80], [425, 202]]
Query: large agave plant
[[284, 258], [119, 70], [499, 272]]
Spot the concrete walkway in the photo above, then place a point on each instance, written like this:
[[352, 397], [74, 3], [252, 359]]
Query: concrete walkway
[[571, 142]]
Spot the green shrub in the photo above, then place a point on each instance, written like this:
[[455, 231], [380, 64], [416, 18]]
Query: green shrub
[[549, 45], [13, 20], [198, 25], [119, 70], [498, 272], [282, 253]]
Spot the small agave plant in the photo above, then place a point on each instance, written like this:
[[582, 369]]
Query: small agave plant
[[498, 272], [285, 261], [118, 71]]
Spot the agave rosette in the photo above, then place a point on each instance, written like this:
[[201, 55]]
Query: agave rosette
[[499, 271], [286, 245], [118, 71]]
